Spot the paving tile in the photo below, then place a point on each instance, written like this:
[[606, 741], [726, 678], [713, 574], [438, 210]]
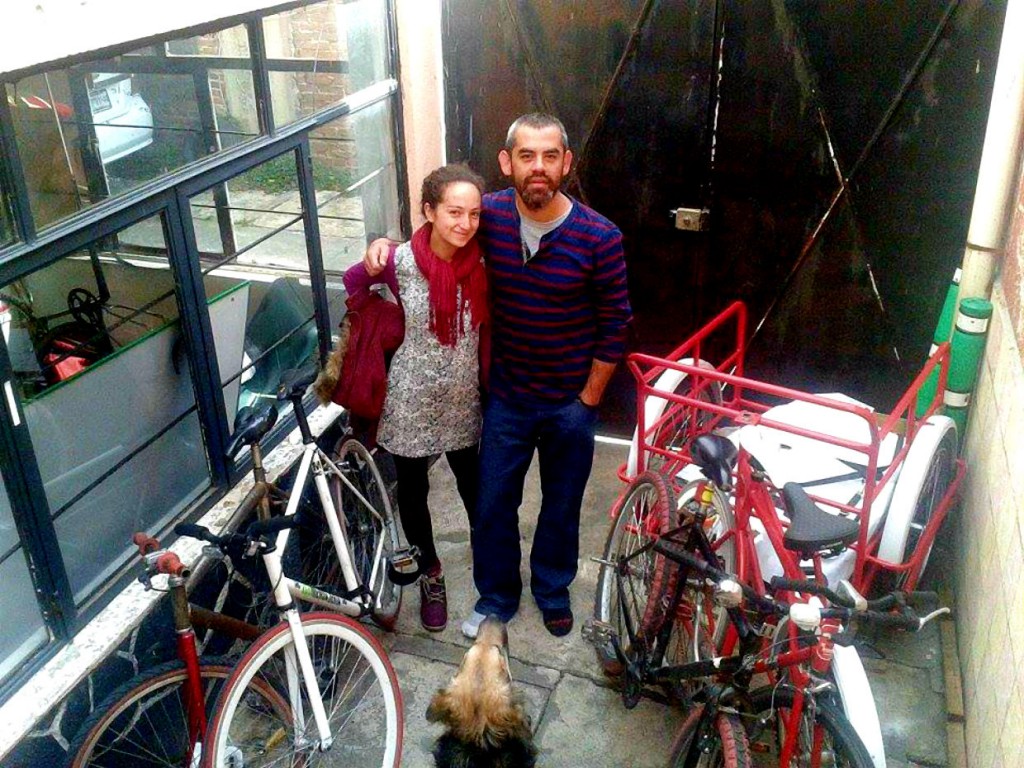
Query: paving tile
[[913, 717], [586, 724]]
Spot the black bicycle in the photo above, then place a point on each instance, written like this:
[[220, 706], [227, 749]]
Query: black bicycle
[[795, 720]]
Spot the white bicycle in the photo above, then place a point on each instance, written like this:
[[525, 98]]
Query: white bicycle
[[345, 705]]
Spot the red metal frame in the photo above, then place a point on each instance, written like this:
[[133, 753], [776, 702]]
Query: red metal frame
[[729, 328], [169, 564]]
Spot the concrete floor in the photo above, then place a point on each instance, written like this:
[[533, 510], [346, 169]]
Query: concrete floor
[[578, 718]]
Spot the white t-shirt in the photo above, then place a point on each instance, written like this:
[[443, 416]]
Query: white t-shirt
[[532, 231]]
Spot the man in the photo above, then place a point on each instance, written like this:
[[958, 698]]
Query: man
[[560, 311]]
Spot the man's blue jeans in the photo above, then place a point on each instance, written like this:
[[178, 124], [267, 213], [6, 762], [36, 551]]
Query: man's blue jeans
[[563, 436]]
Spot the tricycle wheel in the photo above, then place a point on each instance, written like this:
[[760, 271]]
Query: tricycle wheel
[[926, 474]]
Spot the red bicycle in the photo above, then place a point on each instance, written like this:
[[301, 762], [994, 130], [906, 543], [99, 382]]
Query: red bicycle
[[786, 483], [159, 717]]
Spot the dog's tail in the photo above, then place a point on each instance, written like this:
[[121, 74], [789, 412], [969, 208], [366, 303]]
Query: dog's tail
[[327, 381]]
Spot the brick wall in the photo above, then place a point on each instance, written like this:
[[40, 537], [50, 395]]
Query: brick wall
[[990, 606], [1013, 266]]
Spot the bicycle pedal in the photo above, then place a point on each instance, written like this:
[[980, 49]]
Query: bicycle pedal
[[403, 566], [597, 632], [404, 560]]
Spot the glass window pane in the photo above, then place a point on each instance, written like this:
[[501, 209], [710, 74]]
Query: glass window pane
[[105, 127], [251, 234], [7, 233], [356, 184], [108, 398], [320, 54], [24, 631]]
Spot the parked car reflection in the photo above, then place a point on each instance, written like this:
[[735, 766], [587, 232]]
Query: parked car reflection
[[122, 118]]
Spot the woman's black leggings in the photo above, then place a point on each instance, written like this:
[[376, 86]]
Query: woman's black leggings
[[413, 486]]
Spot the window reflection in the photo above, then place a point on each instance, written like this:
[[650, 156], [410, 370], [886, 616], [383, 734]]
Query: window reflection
[[320, 54], [355, 178], [253, 241], [107, 126], [7, 233], [107, 395], [356, 191]]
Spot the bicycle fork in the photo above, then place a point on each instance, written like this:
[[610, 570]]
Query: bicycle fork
[[298, 663]]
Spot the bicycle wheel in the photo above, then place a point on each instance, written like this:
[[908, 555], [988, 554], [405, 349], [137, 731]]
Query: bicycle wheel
[[727, 746], [821, 724], [700, 625], [357, 685], [642, 514], [361, 499], [144, 723]]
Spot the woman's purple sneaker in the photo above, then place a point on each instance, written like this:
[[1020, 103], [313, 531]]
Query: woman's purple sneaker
[[433, 601]]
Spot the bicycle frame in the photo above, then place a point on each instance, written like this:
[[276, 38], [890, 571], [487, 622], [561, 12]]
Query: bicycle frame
[[803, 663], [316, 461], [805, 659], [754, 500], [161, 561]]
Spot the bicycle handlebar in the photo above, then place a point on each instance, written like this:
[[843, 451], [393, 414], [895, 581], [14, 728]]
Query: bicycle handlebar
[[255, 532], [894, 599], [845, 608], [145, 543], [171, 564], [194, 531], [158, 560]]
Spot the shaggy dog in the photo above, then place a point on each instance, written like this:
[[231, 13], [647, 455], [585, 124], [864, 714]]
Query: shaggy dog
[[486, 723]]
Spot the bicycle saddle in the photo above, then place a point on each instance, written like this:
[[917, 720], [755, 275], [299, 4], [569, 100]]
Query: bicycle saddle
[[715, 455], [295, 381], [251, 424], [812, 529]]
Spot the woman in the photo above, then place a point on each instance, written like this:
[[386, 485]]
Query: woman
[[433, 393]]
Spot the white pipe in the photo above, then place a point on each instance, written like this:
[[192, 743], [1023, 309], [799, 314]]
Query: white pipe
[[1000, 161]]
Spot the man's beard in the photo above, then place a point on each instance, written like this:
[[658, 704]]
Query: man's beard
[[536, 198]]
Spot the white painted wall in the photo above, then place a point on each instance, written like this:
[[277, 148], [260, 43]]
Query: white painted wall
[[422, 84], [38, 31]]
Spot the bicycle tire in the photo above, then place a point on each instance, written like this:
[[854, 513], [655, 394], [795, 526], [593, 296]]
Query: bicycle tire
[[844, 748], [372, 533], [695, 615], [343, 651], [641, 514], [142, 722], [729, 750]]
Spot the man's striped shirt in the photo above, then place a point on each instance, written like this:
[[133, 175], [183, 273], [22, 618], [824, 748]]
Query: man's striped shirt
[[556, 313]]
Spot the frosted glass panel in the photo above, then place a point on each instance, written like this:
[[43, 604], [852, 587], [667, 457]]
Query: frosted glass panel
[[143, 495], [24, 631]]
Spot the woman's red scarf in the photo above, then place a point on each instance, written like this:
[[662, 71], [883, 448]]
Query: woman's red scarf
[[465, 270]]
